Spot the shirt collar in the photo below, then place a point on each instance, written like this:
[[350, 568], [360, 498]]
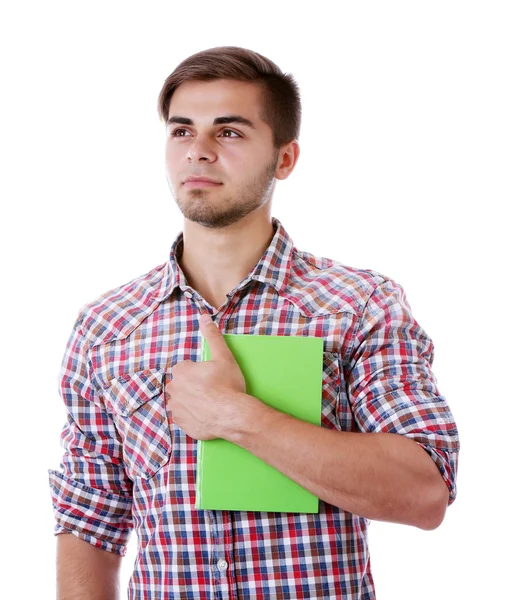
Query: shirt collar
[[273, 267]]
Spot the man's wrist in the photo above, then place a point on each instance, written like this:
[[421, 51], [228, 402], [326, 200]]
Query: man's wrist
[[245, 417]]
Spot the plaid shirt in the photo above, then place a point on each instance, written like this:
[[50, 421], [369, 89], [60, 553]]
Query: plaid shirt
[[127, 465]]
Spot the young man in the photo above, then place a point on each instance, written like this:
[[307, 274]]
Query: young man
[[138, 397]]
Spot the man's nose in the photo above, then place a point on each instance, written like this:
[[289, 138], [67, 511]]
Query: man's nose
[[201, 149]]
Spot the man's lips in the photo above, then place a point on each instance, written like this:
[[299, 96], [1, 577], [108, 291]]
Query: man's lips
[[200, 178], [201, 182]]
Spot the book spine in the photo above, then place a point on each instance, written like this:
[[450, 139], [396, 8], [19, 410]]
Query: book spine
[[199, 457], [199, 475]]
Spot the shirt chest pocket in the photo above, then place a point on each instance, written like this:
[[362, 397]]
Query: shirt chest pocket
[[136, 403]]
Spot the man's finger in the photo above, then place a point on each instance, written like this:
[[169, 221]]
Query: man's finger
[[215, 339]]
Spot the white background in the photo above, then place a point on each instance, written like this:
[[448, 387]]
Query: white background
[[403, 170]]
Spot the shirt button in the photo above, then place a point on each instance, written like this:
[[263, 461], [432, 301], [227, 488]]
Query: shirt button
[[222, 565], [188, 294]]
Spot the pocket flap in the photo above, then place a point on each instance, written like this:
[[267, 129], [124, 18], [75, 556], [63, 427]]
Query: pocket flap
[[128, 392]]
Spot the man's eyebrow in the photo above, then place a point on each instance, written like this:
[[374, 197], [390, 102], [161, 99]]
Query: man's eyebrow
[[218, 121]]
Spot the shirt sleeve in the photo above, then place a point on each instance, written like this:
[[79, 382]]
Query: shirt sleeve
[[91, 495], [391, 385]]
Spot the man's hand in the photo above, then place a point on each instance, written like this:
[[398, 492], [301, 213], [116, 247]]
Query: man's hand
[[204, 397]]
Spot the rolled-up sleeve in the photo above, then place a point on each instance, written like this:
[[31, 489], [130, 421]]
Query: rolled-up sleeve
[[391, 385], [91, 495]]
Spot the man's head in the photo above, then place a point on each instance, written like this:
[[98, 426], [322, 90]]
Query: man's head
[[234, 117]]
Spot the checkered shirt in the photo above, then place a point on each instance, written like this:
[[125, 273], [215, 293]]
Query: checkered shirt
[[127, 466]]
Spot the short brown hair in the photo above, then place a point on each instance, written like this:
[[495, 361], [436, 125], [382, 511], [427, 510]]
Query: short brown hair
[[282, 109]]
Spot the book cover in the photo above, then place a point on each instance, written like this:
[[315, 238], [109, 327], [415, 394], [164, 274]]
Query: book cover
[[284, 372]]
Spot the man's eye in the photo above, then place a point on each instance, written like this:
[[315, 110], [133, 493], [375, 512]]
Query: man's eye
[[176, 131], [230, 131]]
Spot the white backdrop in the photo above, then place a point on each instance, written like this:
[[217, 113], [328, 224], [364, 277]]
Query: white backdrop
[[403, 170]]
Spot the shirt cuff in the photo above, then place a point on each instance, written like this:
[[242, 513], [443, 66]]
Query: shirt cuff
[[100, 518], [447, 463]]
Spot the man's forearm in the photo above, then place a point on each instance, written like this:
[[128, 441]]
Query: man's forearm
[[85, 572], [380, 476]]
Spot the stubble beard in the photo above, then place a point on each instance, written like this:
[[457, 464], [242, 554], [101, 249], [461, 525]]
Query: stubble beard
[[200, 208]]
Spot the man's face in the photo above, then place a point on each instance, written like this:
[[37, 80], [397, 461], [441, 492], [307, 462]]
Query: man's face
[[201, 143]]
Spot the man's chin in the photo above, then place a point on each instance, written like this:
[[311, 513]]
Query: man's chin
[[214, 219]]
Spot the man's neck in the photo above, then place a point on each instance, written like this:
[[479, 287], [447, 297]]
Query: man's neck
[[215, 261]]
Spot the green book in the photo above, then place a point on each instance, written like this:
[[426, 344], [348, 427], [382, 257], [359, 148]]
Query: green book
[[284, 372]]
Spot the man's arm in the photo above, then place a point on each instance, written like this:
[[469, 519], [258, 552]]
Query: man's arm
[[379, 476], [91, 495], [85, 572]]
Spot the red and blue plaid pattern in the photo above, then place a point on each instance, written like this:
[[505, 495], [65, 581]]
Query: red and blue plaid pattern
[[127, 466]]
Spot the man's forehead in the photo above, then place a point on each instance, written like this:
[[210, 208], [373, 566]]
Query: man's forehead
[[216, 98]]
